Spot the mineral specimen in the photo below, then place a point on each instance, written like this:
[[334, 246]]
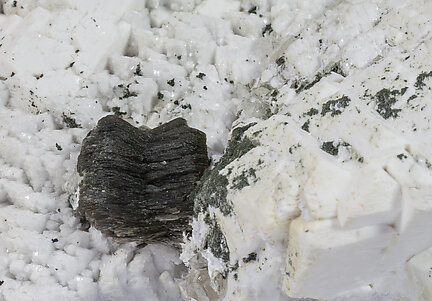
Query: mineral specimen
[[136, 182]]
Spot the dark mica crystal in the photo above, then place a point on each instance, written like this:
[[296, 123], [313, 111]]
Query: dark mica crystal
[[136, 182]]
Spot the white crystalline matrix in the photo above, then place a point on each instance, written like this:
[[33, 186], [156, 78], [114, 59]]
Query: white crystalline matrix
[[334, 174], [324, 191]]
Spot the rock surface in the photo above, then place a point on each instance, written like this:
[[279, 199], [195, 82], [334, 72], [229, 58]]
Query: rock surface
[[348, 201], [208, 62], [136, 182]]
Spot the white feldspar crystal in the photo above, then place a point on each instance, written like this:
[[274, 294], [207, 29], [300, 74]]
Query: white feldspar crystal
[[373, 198], [320, 192], [323, 258], [363, 219]]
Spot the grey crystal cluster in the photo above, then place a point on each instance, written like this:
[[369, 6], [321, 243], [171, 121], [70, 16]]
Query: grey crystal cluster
[[135, 183]]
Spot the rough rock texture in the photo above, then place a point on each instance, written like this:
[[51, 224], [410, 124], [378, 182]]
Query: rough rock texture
[[213, 189], [345, 199], [210, 199], [136, 182]]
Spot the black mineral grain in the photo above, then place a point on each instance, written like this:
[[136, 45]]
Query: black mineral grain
[[135, 183]]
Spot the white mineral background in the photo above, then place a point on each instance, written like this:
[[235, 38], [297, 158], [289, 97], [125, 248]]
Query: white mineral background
[[340, 207]]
